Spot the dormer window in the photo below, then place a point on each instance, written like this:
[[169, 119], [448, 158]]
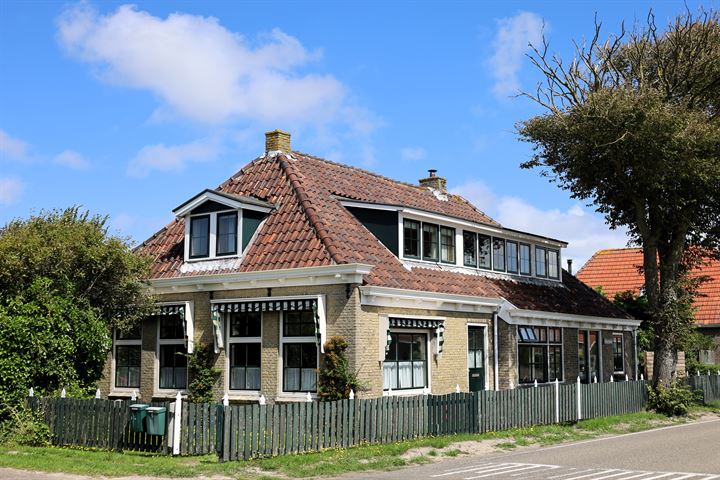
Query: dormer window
[[200, 236], [227, 233]]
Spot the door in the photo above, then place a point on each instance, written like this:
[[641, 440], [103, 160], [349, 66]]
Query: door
[[476, 358]]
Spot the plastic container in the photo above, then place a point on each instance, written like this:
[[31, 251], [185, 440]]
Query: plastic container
[[138, 411], [155, 420]]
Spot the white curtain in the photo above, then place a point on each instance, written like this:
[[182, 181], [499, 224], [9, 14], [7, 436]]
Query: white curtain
[[292, 379], [418, 374], [390, 375], [405, 373], [309, 379]]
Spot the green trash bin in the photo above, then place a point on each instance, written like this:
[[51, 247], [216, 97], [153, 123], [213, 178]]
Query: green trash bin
[[155, 420], [138, 411]]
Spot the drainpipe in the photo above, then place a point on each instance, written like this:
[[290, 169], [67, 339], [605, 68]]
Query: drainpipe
[[495, 351], [635, 352]]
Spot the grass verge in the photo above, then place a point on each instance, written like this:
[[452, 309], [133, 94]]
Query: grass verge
[[325, 463]]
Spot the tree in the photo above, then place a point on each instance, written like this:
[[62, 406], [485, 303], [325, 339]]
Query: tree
[[632, 124], [336, 378], [64, 284]]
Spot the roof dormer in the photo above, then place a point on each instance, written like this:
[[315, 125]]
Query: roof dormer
[[219, 225]]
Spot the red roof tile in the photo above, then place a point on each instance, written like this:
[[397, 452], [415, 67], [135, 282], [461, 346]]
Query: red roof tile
[[619, 270], [310, 227]]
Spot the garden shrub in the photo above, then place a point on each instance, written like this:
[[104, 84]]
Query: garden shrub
[[336, 378], [24, 427], [672, 400], [202, 373]]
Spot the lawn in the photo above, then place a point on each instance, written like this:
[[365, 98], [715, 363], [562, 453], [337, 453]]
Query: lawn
[[325, 463]]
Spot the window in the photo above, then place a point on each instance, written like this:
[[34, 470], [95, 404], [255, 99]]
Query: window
[[447, 245], [405, 365], [227, 233], [430, 235], [128, 350], [411, 239], [553, 264], [512, 256], [588, 355], [200, 236], [540, 262], [484, 259], [525, 265], [244, 344], [300, 352], [499, 254], [470, 249], [173, 353], [618, 359], [539, 354]]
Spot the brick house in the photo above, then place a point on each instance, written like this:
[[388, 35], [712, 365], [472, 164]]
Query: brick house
[[429, 292], [619, 270]]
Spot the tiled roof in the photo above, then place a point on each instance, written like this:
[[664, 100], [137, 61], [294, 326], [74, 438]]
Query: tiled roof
[[310, 227], [619, 270]]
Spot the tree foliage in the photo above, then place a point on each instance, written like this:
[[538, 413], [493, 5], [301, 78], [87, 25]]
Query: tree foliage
[[203, 374], [64, 283], [632, 124], [336, 378]]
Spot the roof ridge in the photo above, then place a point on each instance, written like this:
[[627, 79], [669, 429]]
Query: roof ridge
[[309, 210]]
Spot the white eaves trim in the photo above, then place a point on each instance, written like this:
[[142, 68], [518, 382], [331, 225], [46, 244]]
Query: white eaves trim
[[418, 214], [230, 201], [397, 297], [518, 316], [327, 275]]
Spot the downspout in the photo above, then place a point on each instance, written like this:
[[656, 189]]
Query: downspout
[[635, 352], [495, 351]]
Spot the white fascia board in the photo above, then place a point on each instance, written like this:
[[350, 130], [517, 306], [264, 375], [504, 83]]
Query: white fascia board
[[534, 317], [401, 298], [222, 199], [327, 275], [417, 214]]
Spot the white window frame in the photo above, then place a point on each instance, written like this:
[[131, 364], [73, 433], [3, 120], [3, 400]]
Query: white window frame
[[547, 357], [212, 247], [622, 352], [123, 391], [484, 326], [229, 340], [294, 396], [170, 392]]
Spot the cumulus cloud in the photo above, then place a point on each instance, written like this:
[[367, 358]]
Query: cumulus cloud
[[171, 158], [205, 72], [71, 159], [584, 230], [10, 190], [412, 153], [510, 45], [12, 148]]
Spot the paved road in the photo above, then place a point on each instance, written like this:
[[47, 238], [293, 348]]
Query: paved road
[[680, 452]]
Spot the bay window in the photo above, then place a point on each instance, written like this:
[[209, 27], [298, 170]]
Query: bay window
[[539, 354], [405, 365]]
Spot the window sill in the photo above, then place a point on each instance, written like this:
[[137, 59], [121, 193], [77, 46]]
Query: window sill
[[295, 397], [243, 395], [406, 392], [121, 392], [169, 393]]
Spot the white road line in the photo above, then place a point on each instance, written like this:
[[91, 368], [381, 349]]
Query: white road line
[[639, 474], [687, 475], [529, 467], [571, 473], [462, 470], [496, 471], [597, 472], [660, 476], [622, 472], [537, 465]]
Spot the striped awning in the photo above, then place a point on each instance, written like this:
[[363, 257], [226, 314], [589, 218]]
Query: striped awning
[[268, 306], [415, 323], [171, 310]]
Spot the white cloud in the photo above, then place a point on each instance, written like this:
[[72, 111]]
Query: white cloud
[[12, 148], [205, 72], [171, 158], [412, 153], [10, 190], [584, 230], [71, 159], [510, 45]]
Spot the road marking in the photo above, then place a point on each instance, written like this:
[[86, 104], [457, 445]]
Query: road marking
[[515, 469], [503, 468], [571, 473], [593, 474], [461, 470], [621, 472]]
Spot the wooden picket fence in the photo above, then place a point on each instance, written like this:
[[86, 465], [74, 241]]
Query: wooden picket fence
[[708, 384]]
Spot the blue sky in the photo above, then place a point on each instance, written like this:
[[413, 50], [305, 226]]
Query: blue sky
[[128, 110]]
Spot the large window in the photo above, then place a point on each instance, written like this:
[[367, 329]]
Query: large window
[[244, 344], [200, 236], [588, 355], [484, 251], [430, 234], [300, 353], [524, 259], [173, 353], [618, 358], [227, 233], [411, 239], [553, 264], [540, 262], [405, 365], [469, 249], [539, 354], [512, 256], [128, 350], [499, 254], [447, 245]]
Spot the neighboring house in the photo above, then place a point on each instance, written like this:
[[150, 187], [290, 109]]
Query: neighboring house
[[429, 292], [619, 270]]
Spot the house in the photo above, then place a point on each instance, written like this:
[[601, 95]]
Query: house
[[619, 270], [430, 293]]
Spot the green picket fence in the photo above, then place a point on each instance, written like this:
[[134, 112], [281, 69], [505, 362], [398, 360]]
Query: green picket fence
[[95, 423], [708, 384]]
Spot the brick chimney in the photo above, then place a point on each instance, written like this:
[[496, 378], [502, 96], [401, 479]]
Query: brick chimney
[[277, 141], [433, 181]]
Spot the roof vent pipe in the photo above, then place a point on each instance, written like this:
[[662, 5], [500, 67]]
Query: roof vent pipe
[[569, 263]]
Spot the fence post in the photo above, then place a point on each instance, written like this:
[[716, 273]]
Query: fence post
[[177, 424], [557, 401], [579, 401]]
